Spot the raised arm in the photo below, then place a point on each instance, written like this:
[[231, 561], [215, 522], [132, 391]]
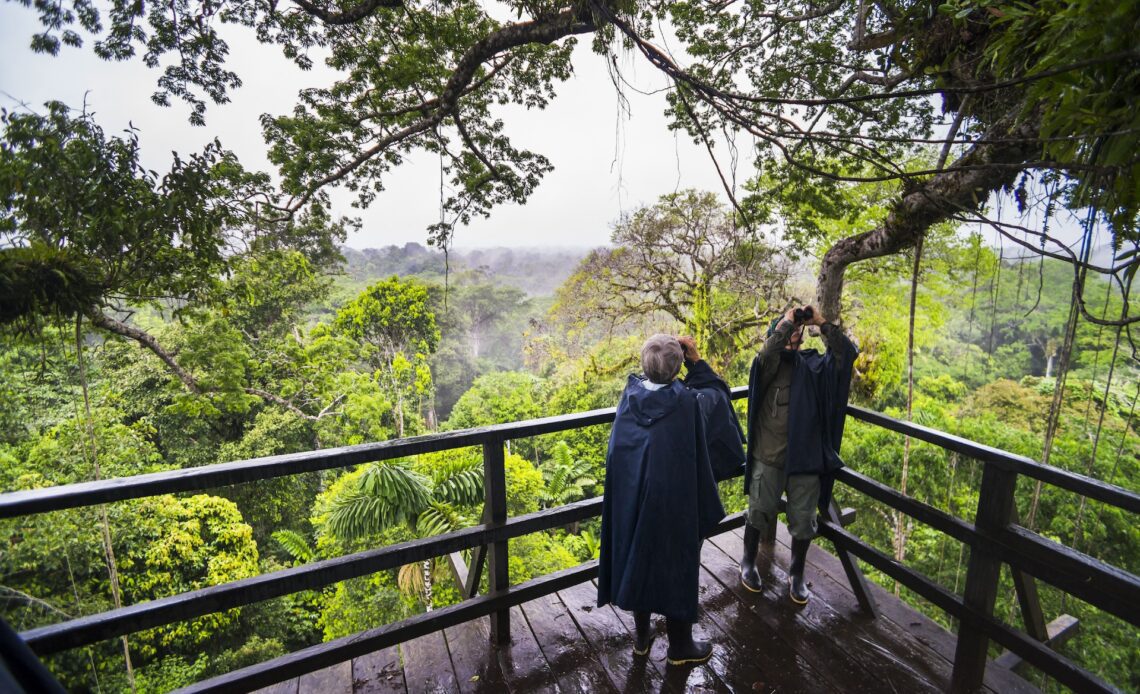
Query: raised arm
[[838, 342], [780, 336]]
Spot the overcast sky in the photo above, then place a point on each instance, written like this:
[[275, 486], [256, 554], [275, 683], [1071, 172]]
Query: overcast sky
[[606, 162]]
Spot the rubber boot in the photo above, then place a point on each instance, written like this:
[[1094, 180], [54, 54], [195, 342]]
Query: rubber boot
[[798, 591], [643, 636], [683, 650], [749, 576]]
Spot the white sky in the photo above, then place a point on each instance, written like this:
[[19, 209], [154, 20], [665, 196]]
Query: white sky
[[605, 162]]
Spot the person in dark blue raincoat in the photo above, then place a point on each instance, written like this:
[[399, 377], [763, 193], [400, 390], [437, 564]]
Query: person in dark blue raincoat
[[797, 404], [660, 502]]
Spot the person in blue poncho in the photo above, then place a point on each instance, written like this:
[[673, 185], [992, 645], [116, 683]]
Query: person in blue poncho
[[661, 500], [797, 404]]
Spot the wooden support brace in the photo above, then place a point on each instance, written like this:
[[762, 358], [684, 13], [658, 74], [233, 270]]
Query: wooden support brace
[[1027, 597], [1059, 631], [458, 568], [478, 559], [854, 574]]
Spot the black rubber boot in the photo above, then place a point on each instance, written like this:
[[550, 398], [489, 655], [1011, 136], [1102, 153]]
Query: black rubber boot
[[749, 576], [683, 650], [797, 589], [643, 635]]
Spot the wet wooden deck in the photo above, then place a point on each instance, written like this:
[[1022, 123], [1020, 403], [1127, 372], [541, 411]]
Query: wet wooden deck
[[762, 643]]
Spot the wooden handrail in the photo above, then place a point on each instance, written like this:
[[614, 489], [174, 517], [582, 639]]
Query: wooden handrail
[[45, 499]]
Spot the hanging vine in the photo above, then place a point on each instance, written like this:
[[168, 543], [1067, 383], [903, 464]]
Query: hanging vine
[[90, 448], [1062, 367]]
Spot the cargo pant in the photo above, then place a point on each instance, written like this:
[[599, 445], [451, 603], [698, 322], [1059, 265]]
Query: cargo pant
[[768, 483]]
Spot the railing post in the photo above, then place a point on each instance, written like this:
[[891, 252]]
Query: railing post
[[995, 509], [495, 499]]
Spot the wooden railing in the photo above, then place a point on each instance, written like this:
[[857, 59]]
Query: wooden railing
[[994, 538]]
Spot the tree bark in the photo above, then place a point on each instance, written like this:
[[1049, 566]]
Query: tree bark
[[965, 185]]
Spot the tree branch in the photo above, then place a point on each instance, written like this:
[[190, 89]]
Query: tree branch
[[350, 16], [101, 320], [546, 29], [965, 185]]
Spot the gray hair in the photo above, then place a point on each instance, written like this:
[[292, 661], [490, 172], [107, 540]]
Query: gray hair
[[661, 358]]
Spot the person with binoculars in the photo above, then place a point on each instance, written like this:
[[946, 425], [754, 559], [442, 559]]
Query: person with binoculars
[[797, 404]]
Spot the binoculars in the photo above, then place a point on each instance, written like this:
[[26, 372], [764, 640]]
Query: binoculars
[[803, 314]]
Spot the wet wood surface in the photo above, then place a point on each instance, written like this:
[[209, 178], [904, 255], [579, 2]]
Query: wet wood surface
[[762, 642]]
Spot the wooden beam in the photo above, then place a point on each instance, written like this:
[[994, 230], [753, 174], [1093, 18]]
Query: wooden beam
[[458, 568], [855, 576], [498, 572], [1102, 585], [332, 652], [65, 496], [475, 574], [1071, 481], [936, 518], [1034, 652]]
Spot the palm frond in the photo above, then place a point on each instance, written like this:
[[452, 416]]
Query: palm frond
[[462, 488], [388, 494], [440, 518], [410, 579]]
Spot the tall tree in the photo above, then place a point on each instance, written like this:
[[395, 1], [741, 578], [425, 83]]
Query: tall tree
[[395, 325], [684, 258]]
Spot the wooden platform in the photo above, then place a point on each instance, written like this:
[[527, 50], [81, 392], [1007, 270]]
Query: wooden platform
[[762, 643]]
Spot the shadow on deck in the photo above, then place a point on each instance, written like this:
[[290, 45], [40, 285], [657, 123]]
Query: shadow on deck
[[762, 643]]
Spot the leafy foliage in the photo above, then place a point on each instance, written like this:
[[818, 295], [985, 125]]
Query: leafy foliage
[[83, 223], [566, 479]]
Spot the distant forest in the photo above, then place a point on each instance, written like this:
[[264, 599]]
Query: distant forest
[[537, 271]]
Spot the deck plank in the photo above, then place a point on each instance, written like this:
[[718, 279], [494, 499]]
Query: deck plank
[[609, 637], [573, 659], [684, 679], [523, 666], [762, 643], [335, 679], [379, 672], [427, 665], [742, 655], [899, 625], [476, 662], [832, 626], [764, 637]]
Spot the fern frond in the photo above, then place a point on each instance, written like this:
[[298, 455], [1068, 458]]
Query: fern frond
[[294, 544]]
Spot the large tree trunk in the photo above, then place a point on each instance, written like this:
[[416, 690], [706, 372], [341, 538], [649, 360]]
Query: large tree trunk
[[966, 185]]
